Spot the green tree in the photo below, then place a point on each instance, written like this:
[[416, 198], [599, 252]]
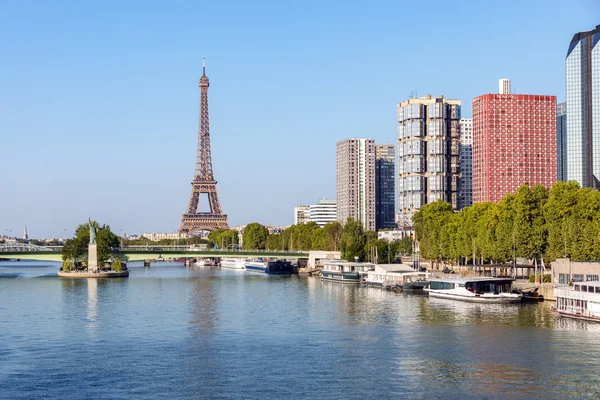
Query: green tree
[[428, 223], [274, 242], [214, 237], [333, 234], [77, 247], [353, 240], [255, 236]]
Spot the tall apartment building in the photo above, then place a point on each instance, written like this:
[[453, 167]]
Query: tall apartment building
[[514, 143], [583, 109], [561, 142], [355, 181], [428, 154], [301, 215], [385, 190], [324, 212], [465, 192]]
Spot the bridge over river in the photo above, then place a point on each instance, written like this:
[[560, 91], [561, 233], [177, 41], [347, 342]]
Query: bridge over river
[[25, 251]]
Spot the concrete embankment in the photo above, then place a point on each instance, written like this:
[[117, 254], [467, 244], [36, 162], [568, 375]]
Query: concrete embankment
[[545, 289]]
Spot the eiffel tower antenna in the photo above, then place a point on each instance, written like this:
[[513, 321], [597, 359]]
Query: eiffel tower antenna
[[204, 180]]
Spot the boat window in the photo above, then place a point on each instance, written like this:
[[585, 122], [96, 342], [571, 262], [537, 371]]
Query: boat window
[[597, 289], [591, 289], [441, 285], [591, 277], [577, 288], [578, 277]]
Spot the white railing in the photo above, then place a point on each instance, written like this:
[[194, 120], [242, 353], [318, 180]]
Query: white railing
[[572, 294], [12, 247]]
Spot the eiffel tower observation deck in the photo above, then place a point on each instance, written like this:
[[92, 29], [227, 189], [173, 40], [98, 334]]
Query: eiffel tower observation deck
[[204, 181]]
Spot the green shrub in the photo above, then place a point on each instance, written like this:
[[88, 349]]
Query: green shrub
[[67, 265], [531, 278], [116, 266], [547, 278]]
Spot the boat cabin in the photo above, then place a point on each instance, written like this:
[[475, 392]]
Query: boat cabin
[[474, 285]]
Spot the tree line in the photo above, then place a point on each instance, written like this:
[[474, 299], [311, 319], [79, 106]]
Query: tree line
[[532, 223], [350, 239]]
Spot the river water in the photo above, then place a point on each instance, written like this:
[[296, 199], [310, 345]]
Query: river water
[[175, 332]]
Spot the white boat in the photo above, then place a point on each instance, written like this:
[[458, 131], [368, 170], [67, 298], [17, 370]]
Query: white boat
[[478, 290], [398, 276], [345, 272], [581, 301], [201, 262], [234, 263]]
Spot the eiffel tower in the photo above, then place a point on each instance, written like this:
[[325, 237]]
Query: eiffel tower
[[204, 180]]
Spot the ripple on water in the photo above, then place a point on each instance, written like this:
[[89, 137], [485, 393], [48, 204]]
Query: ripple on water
[[175, 332]]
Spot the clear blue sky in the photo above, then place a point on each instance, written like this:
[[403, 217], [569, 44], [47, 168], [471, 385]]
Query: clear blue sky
[[99, 102]]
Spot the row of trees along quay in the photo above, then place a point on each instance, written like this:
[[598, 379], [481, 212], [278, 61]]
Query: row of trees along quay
[[533, 223], [350, 239]]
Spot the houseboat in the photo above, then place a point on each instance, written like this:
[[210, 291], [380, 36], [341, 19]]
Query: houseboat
[[397, 276], [581, 300], [278, 267], [233, 263], [478, 290], [345, 272]]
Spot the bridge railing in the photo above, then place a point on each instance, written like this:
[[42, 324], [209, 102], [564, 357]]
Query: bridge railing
[[200, 249], [20, 247]]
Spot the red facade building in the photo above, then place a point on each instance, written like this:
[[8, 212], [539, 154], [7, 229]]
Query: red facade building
[[514, 144]]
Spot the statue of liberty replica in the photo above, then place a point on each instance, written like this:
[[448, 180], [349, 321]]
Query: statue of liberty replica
[[92, 263]]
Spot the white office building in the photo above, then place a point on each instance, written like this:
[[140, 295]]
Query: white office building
[[323, 212]]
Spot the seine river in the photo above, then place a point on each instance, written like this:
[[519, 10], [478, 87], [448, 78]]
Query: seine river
[[171, 332]]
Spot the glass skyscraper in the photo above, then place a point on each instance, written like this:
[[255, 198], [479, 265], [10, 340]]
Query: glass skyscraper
[[583, 109], [385, 191], [561, 141]]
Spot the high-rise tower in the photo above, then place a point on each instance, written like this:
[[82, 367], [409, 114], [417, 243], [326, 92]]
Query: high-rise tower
[[204, 181], [355, 181], [514, 144], [428, 155], [583, 109]]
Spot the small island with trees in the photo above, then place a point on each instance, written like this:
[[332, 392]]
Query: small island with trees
[[89, 254]]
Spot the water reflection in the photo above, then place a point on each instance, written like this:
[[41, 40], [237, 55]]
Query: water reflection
[[202, 303], [92, 314]]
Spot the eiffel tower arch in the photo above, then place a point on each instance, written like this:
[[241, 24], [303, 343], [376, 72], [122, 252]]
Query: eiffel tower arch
[[204, 181]]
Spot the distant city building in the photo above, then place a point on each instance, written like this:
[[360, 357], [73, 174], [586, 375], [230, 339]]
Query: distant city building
[[240, 231], [25, 235], [561, 141], [465, 192], [428, 154], [385, 186], [155, 237], [324, 212], [301, 215], [390, 236], [583, 109], [355, 181], [275, 229], [514, 143], [504, 86]]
